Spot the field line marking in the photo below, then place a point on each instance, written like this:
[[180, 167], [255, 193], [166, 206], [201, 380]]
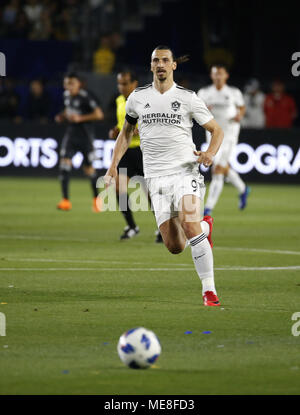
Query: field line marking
[[83, 261], [229, 268], [295, 267], [49, 238], [259, 250], [91, 261], [78, 261], [96, 269], [42, 238]]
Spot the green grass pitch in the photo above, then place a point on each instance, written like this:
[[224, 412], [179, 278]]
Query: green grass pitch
[[69, 288]]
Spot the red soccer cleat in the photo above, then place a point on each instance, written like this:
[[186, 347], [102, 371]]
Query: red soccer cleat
[[211, 299], [210, 222]]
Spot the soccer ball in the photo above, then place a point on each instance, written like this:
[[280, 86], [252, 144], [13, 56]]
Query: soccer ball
[[139, 348]]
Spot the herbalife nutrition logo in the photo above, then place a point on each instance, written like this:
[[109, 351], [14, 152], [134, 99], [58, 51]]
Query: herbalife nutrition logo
[[2, 64]]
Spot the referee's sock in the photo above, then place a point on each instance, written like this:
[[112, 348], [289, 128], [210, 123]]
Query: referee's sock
[[123, 201]]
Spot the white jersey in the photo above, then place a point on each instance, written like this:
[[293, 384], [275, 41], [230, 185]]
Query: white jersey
[[165, 126], [223, 104]]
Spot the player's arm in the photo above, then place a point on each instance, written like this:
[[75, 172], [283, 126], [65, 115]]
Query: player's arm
[[206, 157], [121, 146], [114, 132], [96, 115], [241, 110], [240, 105], [61, 116]]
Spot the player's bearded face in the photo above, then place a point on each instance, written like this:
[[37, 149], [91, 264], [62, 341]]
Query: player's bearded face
[[162, 64]]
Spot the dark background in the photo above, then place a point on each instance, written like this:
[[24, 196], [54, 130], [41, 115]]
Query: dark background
[[255, 38], [260, 35]]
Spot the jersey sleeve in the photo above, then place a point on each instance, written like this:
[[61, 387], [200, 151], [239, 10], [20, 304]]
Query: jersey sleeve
[[201, 94], [92, 101], [131, 114], [238, 98], [199, 110]]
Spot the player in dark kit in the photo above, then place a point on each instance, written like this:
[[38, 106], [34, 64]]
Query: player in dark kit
[[81, 110]]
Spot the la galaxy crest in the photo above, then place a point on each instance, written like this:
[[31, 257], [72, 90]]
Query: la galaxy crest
[[175, 105]]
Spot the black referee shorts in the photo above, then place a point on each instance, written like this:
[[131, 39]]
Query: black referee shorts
[[133, 162], [71, 145]]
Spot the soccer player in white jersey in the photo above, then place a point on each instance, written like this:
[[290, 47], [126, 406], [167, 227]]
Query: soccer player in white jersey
[[227, 106], [164, 112]]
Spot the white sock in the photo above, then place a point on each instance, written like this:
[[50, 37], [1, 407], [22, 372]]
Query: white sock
[[205, 228], [236, 181], [204, 262], [215, 189]]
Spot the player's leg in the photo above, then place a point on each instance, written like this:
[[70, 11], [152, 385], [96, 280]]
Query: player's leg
[[162, 192], [173, 235], [65, 167], [158, 235], [139, 169], [193, 228], [243, 190], [233, 177], [126, 170], [91, 173], [219, 171], [215, 188], [87, 149], [131, 229]]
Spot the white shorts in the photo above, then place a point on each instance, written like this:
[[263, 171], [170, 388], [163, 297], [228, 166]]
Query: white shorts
[[167, 191]]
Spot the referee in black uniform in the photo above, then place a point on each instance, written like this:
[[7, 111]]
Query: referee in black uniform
[[81, 110]]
